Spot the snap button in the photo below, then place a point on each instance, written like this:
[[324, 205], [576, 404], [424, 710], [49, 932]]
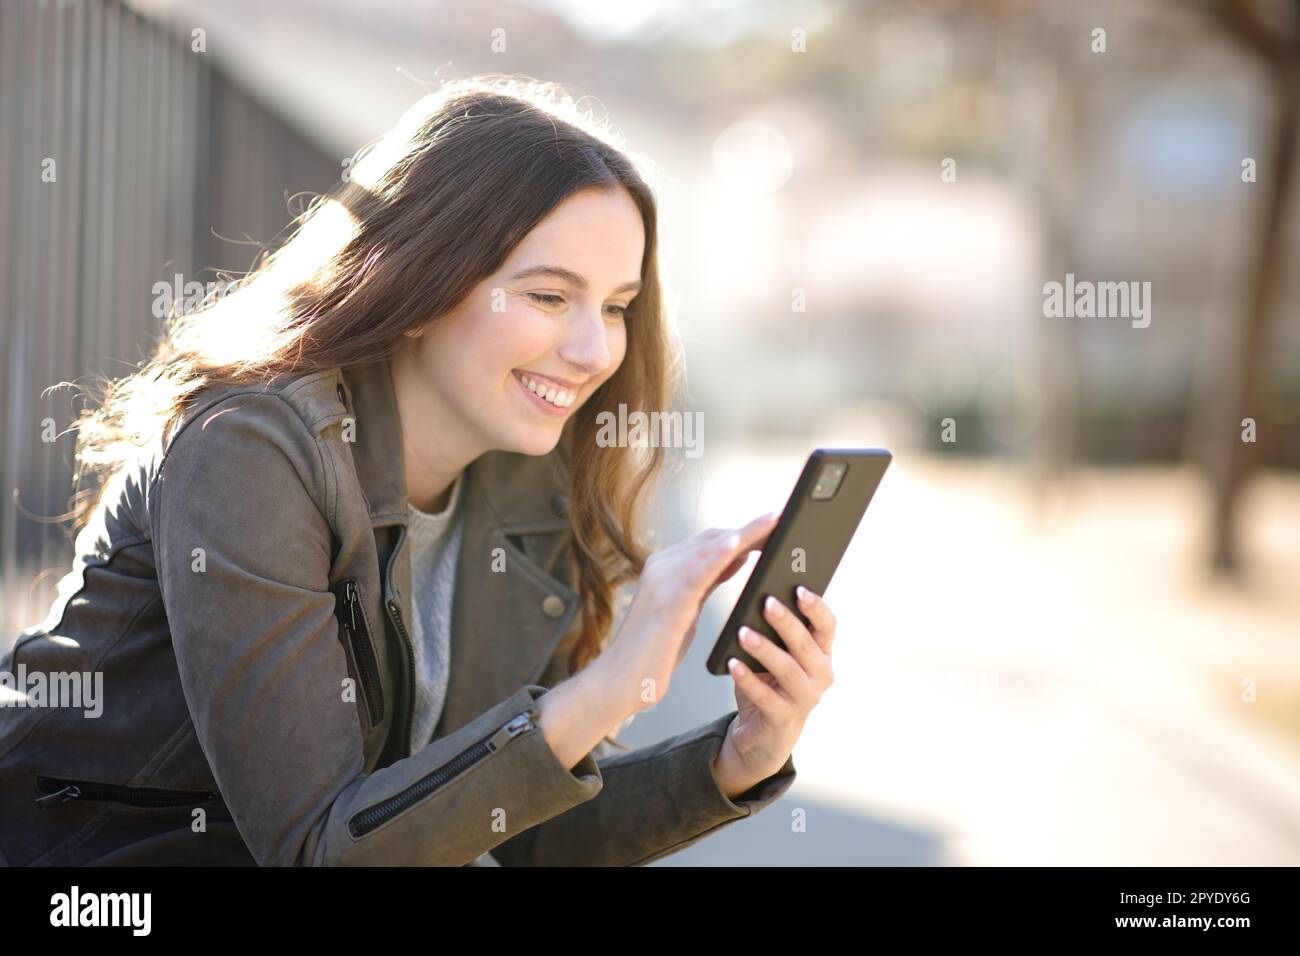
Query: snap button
[[552, 606], [559, 503], [342, 395]]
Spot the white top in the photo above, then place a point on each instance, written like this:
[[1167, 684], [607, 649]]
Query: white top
[[434, 540]]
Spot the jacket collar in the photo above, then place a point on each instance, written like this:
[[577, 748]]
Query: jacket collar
[[511, 609]]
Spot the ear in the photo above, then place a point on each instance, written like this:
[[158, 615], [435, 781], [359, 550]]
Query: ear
[[414, 333]]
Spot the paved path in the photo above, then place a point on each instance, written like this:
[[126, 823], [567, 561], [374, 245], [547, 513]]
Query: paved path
[[1021, 687]]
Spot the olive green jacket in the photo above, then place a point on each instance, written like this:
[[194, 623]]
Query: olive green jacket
[[245, 594]]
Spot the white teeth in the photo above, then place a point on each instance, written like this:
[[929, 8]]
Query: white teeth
[[556, 396]]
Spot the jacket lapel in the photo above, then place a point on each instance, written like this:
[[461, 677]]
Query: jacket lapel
[[514, 599], [511, 611]]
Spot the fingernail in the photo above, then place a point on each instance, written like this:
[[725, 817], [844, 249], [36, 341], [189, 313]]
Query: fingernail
[[773, 606], [804, 594], [748, 637], [735, 666]]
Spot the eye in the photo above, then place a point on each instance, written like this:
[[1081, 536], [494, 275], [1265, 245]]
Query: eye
[[546, 298], [619, 310]]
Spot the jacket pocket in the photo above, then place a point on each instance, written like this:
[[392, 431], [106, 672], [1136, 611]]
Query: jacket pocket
[[56, 791], [380, 813], [358, 642]]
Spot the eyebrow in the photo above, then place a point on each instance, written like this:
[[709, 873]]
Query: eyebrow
[[568, 275]]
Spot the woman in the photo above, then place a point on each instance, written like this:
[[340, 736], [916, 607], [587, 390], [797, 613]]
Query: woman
[[430, 349]]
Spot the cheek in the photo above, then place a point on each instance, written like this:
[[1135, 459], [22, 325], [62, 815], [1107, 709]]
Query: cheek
[[461, 361], [617, 344], [516, 336], [490, 345]]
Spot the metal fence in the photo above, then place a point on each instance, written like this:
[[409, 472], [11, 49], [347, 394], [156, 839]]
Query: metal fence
[[127, 157]]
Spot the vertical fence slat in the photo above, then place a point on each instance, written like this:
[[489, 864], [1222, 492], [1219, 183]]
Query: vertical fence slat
[[156, 150]]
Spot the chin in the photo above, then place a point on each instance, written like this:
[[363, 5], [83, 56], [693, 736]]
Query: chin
[[536, 442]]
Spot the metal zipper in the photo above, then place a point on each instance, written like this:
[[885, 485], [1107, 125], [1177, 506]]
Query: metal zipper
[[59, 790], [363, 651], [395, 614], [375, 816]]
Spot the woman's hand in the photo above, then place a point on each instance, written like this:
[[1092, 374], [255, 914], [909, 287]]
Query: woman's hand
[[661, 620], [773, 707]]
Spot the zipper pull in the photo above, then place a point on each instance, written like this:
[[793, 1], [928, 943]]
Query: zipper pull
[[70, 792], [350, 591], [519, 724]]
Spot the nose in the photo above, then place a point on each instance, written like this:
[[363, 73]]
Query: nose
[[586, 342]]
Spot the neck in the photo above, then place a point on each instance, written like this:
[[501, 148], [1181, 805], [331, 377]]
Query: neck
[[439, 505], [434, 456]]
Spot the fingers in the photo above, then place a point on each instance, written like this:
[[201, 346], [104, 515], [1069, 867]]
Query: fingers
[[799, 641], [763, 522], [751, 536], [772, 705], [794, 681], [819, 615], [725, 575], [727, 553]]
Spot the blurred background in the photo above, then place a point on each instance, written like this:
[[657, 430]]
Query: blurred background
[[1069, 625]]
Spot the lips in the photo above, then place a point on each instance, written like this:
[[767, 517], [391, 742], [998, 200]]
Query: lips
[[538, 401], [554, 380], [547, 389]]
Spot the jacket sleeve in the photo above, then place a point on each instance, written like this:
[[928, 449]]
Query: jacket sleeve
[[655, 801], [243, 549]]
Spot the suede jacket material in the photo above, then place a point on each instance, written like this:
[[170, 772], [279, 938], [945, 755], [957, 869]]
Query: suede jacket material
[[244, 596]]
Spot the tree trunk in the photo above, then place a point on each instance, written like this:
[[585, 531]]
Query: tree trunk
[[1233, 460]]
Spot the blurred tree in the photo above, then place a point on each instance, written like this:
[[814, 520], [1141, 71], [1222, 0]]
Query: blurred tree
[[1270, 31], [1049, 126]]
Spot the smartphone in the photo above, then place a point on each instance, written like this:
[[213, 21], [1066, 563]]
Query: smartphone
[[807, 544]]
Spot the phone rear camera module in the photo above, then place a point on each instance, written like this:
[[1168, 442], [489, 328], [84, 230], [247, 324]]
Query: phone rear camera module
[[828, 480]]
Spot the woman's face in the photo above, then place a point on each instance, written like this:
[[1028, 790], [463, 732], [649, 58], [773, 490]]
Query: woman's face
[[552, 314]]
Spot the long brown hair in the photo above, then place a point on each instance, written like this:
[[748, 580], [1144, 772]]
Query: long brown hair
[[425, 213]]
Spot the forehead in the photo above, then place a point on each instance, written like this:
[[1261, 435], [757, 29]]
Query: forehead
[[598, 234]]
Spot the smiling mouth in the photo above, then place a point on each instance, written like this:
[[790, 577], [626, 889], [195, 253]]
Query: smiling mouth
[[546, 390]]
